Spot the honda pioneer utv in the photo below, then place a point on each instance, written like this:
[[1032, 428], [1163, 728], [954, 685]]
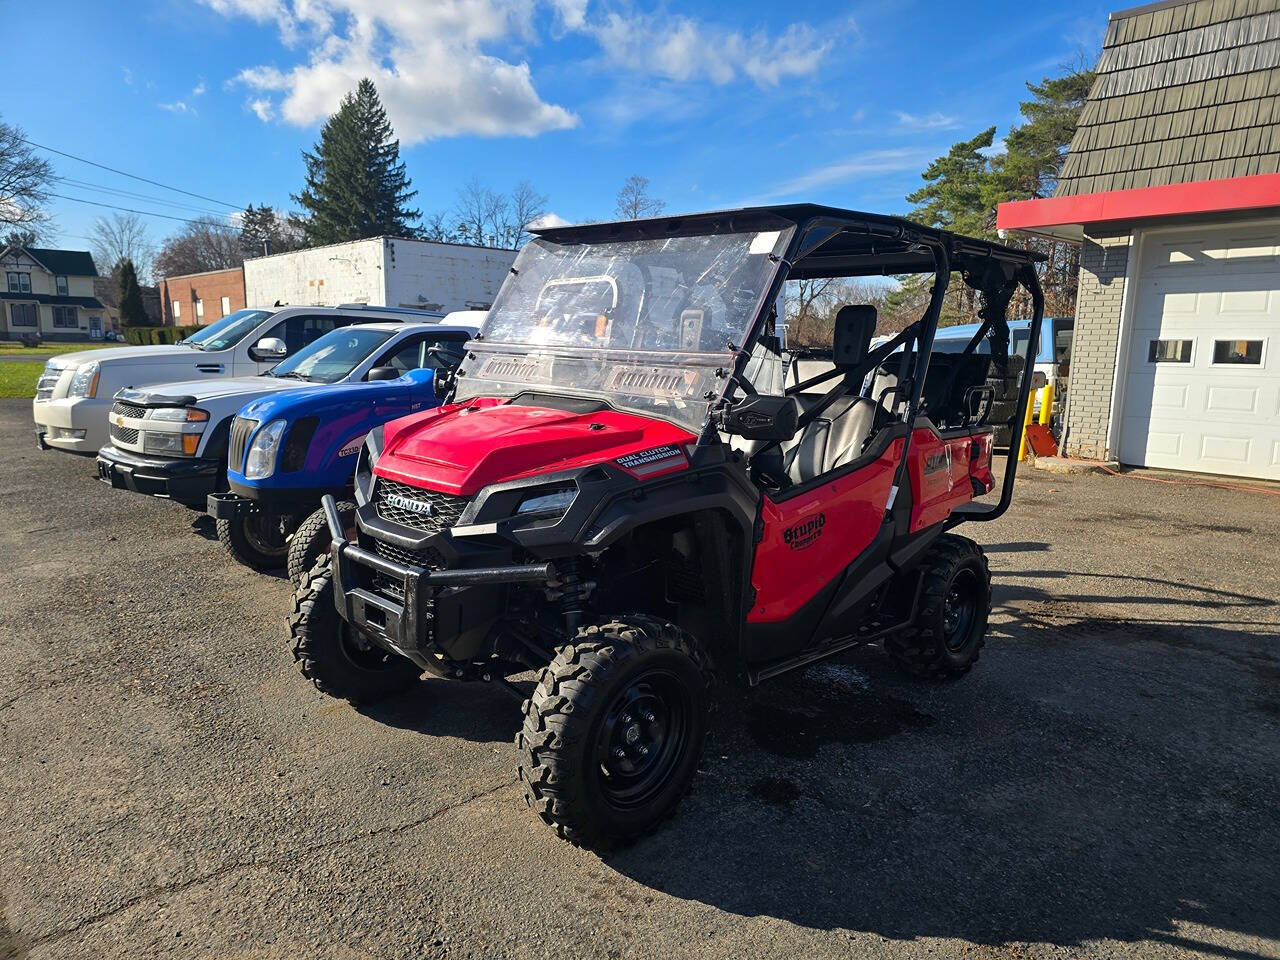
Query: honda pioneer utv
[[633, 492]]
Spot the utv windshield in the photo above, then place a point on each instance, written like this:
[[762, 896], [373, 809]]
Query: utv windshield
[[650, 325]]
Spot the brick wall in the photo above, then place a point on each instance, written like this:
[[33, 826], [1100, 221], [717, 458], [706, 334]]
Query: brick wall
[[209, 288], [1104, 260]]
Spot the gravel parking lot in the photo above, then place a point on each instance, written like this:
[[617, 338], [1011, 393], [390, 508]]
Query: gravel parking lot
[[1103, 784]]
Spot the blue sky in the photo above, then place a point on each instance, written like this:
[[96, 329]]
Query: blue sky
[[717, 104]]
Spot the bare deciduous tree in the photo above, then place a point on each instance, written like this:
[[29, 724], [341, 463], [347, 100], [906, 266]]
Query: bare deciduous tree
[[119, 237], [484, 217], [526, 206], [634, 202], [811, 307], [204, 244], [24, 181]]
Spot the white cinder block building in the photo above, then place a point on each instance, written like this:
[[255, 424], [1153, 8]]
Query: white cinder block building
[[383, 271]]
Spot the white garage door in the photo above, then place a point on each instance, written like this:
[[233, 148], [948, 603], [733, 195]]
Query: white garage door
[[1203, 386]]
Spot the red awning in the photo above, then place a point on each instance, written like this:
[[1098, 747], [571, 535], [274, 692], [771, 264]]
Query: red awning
[[1066, 216]]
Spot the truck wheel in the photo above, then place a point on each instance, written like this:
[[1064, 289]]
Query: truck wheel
[[312, 539], [332, 655], [951, 623], [613, 733], [255, 538]]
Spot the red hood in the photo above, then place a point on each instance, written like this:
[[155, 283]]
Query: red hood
[[461, 448]]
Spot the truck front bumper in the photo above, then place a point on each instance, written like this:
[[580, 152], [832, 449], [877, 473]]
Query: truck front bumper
[[188, 481], [394, 604], [75, 425]]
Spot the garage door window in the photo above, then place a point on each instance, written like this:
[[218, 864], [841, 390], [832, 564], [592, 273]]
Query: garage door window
[[1238, 351], [1169, 351]]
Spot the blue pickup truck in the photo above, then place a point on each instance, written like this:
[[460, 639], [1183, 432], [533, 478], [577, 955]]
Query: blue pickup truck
[[288, 449]]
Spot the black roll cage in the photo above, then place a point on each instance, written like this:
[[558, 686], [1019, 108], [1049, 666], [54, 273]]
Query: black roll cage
[[834, 242], [888, 245]]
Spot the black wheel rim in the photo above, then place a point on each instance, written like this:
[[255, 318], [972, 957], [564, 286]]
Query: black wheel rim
[[361, 654], [960, 609], [262, 531], [645, 734]]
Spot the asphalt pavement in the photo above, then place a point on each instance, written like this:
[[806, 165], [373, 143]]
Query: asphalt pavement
[[1103, 784]]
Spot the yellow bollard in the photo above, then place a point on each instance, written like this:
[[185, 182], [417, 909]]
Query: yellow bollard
[[1026, 420], [1046, 405]]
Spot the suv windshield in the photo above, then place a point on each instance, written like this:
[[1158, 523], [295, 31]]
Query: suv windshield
[[228, 331], [646, 324], [333, 356]]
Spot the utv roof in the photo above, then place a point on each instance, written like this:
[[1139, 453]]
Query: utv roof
[[859, 244]]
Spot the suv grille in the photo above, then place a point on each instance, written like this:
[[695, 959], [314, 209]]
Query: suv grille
[[124, 434], [47, 383], [445, 508], [241, 429]]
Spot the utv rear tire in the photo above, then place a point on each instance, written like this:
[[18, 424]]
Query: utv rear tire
[[312, 539], [613, 733], [251, 538], [951, 623], [329, 652]]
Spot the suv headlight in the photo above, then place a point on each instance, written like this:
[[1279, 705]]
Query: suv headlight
[[85, 381], [261, 461], [553, 502]]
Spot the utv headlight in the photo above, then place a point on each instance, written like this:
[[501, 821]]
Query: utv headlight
[[547, 502], [261, 461], [85, 381]]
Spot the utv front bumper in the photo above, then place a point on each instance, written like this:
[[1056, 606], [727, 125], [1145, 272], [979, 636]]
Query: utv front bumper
[[188, 480], [395, 604]]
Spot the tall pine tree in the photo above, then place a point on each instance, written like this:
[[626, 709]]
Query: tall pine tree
[[356, 183], [132, 312]]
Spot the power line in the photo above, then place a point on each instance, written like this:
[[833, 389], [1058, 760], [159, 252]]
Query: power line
[[116, 191], [154, 183], [112, 206]]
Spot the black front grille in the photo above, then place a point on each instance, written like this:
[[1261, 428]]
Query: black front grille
[[241, 428], [443, 509], [130, 410], [431, 558]]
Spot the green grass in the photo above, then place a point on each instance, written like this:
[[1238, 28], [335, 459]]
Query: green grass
[[12, 348], [19, 379]]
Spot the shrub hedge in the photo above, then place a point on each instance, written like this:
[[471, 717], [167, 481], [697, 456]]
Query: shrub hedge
[[141, 336]]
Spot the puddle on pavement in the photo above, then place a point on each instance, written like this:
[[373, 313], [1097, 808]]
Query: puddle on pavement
[[797, 731]]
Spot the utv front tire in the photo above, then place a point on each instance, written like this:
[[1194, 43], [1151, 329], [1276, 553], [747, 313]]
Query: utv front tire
[[312, 540], [332, 655], [253, 537], [950, 625], [613, 733]]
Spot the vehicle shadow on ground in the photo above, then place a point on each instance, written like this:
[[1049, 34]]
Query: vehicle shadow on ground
[[444, 708], [849, 798]]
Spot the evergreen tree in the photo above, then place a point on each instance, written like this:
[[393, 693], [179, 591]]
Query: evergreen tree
[[956, 189], [263, 230], [132, 311], [356, 184]]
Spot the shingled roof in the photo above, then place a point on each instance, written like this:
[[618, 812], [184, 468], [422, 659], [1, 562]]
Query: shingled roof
[[1185, 92]]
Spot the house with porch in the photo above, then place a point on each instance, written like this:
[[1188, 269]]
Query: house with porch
[[49, 293]]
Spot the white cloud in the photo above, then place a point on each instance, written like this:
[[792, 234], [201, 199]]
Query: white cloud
[[930, 121], [262, 107], [128, 76], [680, 48], [199, 89], [869, 163], [178, 106], [548, 220], [438, 73]]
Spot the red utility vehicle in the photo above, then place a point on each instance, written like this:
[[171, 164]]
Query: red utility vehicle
[[636, 489]]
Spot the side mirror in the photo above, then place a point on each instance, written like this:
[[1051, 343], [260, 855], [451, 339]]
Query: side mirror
[[383, 373], [761, 417], [271, 348]]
